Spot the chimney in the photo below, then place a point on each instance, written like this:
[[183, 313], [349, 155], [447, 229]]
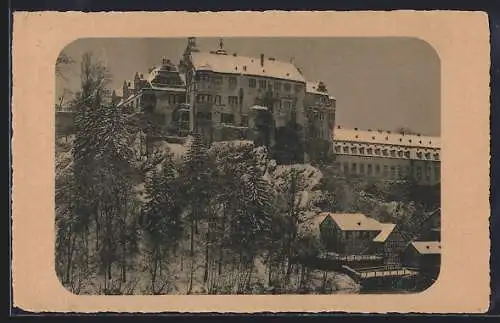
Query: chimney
[[262, 60]]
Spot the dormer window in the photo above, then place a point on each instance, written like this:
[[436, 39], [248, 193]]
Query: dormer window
[[346, 149], [369, 151], [419, 154], [362, 151]]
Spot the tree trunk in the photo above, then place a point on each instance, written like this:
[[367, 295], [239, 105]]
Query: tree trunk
[[69, 264], [155, 268], [191, 254], [207, 246]]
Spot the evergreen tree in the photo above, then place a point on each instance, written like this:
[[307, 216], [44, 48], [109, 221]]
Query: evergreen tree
[[162, 222]]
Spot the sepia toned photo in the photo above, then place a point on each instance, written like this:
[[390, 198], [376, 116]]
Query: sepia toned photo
[[249, 162], [247, 166]]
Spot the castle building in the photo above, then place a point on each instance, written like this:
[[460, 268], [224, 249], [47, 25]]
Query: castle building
[[227, 92], [162, 94], [387, 156], [320, 115]]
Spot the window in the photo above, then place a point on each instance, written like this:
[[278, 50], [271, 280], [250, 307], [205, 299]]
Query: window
[[407, 154], [400, 153], [337, 149], [362, 168], [354, 150], [393, 172], [354, 167], [262, 84], [203, 98], [217, 99], [204, 78], [244, 121], [287, 87], [232, 81], [346, 149], [346, 167], [386, 171], [398, 172], [437, 173], [427, 155], [204, 116], [377, 169], [419, 154], [384, 152], [227, 118], [436, 156], [369, 169], [218, 81], [393, 153], [287, 105], [419, 172], [252, 83], [232, 100], [377, 152], [369, 151], [362, 151], [298, 88], [277, 86]]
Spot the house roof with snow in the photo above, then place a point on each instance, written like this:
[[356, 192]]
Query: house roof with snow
[[314, 87], [385, 138], [427, 247], [354, 222], [359, 222], [386, 230], [236, 64]]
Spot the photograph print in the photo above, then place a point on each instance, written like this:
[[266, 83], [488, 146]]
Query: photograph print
[[216, 166]]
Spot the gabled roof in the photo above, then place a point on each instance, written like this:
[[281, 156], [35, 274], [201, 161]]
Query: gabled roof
[[231, 64], [312, 87], [355, 222], [384, 138], [387, 229], [427, 247]]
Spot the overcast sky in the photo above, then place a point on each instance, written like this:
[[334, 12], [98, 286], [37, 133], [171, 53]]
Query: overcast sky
[[378, 82]]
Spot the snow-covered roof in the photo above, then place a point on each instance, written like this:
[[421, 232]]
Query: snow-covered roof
[[119, 92], [258, 107], [312, 87], [236, 64], [355, 222], [386, 138], [427, 247], [387, 229], [169, 89]]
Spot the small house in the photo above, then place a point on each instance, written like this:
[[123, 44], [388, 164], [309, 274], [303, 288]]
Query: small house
[[349, 233], [423, 255], [390, 243]]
